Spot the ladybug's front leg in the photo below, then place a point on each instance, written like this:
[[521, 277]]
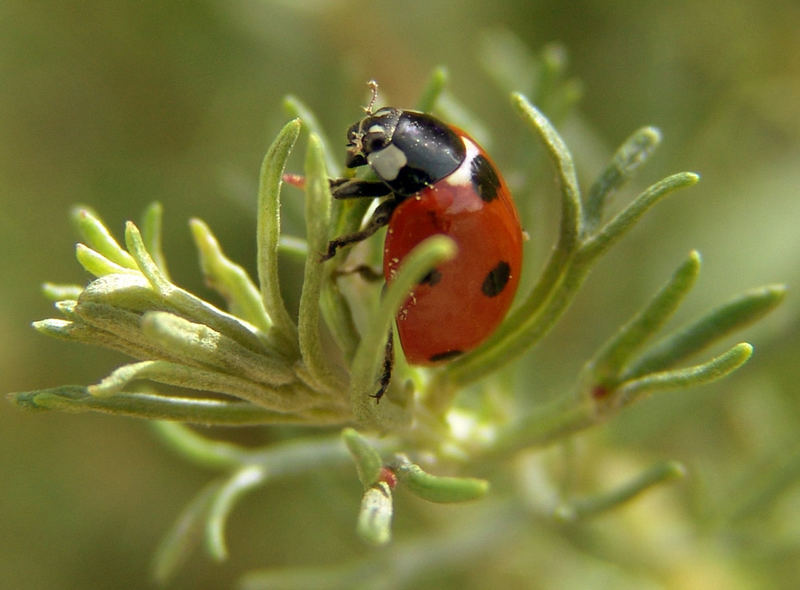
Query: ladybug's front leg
[[351, 188], [379, 218]]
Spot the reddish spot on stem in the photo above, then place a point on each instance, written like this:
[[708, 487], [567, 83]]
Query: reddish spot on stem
[[297, 180], [388, 476], [600, 392]]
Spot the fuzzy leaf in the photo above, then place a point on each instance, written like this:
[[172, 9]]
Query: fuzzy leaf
[[268, 228], [368, 461], [435, 488], [697, 335], [228, 278]]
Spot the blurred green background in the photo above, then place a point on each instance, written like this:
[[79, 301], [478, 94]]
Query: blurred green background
[[117, 104]]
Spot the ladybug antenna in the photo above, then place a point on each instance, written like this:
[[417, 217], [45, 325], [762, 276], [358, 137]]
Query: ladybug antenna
[[373, 87]]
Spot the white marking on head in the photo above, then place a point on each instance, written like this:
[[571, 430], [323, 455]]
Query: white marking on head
[[387, 162]]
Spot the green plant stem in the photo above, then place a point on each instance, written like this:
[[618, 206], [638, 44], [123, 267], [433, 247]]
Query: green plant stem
[[198, 449], [183, 536], [581, 508], [554, 421], [222, 503]]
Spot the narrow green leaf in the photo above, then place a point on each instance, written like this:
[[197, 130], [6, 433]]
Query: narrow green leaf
[[432, 90], [190, 305], [131, 292], [553, 421], [198, 449], [375, 517], [228, 278], [317, 212], [701, 333], [183, 536], [210, 348], [222, 503], [97, 264], [151, 235], [339, 317], [715, 369], [118, 329], [627, 218], [369, 357], [439, 489], [143, 261], [632, 154], [591, 506], [296, 108], [57, 292], [76, 399], [570, 230], [192, 377], [368, 461], [67, 309], [571, 208], [100, 239], [610, 359], [348, 215], [78, 331], [268, 235]]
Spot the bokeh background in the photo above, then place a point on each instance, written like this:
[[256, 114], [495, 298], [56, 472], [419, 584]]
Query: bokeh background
[[117, 104]]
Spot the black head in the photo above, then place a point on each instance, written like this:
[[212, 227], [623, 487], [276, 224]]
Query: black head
[[372, 133], [408, 150]]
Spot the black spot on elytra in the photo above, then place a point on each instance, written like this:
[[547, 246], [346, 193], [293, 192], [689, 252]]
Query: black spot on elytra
[[444, 356], [496, 280], [484, 178], [431, 278]]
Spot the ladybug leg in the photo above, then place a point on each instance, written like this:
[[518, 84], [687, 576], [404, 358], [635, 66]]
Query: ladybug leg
[[350, 188], [379, 218], [365, 271], [388, 365]]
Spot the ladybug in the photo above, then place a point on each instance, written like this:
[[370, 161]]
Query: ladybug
[[435, 179]]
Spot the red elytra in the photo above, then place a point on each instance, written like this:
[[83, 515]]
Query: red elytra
[[463, 301]]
